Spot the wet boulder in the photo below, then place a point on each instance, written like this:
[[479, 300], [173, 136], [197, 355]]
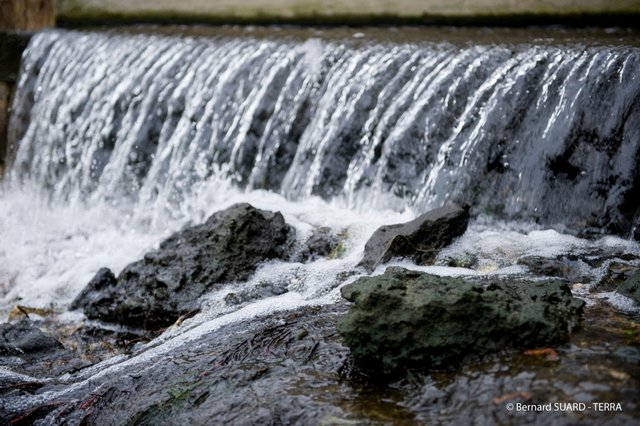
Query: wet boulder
[[24, 339], [167, 283], [404, 319], [27, 348], [419, 239]]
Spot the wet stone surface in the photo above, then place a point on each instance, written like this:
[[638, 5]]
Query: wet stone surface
[[418, 240], [154, 292], [405, 319], [293, 368], [631, 287], [26, 349]]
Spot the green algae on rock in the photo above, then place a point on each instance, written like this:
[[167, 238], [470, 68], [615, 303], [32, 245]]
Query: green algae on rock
[[405, 319]]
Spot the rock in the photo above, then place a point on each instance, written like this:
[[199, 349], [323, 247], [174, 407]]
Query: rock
[[404, 319], [267, 370], [629, 354], [544, 266], [26, 347], [23, 338], [419, 239], [462, 260], [168, 282], [98, 291], [616, 273], [291, 367], [631, 287], [321, 243]]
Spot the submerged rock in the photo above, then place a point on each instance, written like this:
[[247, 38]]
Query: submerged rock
[[419, 239], [405, 319], [631, 287], [167, 283]]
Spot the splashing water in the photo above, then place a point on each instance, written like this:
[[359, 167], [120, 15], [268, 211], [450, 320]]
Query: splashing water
[[119, 140]]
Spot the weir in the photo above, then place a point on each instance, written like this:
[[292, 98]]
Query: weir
[[225, 184], [524, 131]]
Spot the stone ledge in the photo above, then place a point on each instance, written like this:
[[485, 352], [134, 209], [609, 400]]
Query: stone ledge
[[352, 12]]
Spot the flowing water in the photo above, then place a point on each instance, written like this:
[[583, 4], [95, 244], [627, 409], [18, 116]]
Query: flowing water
[[119, 139]]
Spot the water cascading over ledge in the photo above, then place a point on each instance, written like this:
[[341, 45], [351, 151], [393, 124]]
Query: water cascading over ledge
[[531, 132]]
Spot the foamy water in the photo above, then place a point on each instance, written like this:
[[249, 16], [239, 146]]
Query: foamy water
[[50, 250]]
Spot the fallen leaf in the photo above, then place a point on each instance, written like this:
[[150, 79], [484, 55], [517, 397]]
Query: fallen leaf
[[548, 354], [19, 311]]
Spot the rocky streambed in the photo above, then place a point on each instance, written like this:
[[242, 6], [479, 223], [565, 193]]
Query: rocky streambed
[[403, 345]]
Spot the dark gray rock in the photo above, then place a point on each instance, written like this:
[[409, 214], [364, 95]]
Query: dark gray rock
[[167, 283], [404, 319], [28, 348], [631, 287], [321, 243], [544, 266], [615, 274], [97, 291], [419, 239], [462, 260], [24, 339]]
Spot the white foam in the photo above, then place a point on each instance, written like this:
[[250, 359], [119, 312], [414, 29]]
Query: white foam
[[49, 251], [504, 246], [52, 250], [619, 301]]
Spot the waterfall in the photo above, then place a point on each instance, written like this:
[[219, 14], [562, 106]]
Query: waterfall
[[527, 132]]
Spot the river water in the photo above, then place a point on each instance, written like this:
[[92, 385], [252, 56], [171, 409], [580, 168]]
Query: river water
[[120, 138]]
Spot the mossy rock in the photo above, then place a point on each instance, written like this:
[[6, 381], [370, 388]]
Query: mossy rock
[[406, 320]]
